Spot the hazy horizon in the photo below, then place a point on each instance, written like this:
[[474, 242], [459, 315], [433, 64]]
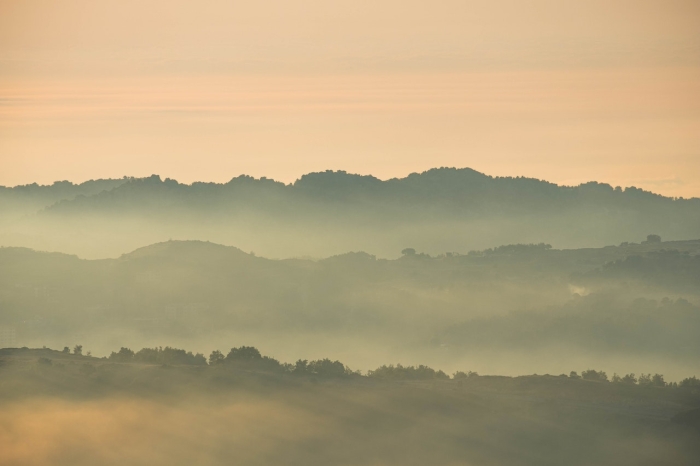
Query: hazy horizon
[[568, 92], [225, 179], [352, 232]]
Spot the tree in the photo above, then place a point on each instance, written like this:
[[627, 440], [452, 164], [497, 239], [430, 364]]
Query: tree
[[690, 382], [216, 357], [124, 355], [408, 252], [244, 353], [574, 375], [66, 350], [301, 366], [653, 239], [78, 350], [326, 367], [169, 355], [591, 374], [628, 379], [420, 372], [657, 380], [147, 355]]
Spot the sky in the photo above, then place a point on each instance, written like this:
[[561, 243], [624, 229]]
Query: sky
[[205, 91]]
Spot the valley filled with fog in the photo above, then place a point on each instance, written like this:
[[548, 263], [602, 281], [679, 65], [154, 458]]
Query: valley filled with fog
[[449, 310]]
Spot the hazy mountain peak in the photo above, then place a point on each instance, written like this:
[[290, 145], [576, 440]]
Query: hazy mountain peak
[[180, 248], [442, 173], [243, 180], [338, 181]]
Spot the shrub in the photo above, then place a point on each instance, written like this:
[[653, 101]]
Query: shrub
[[591, 374]]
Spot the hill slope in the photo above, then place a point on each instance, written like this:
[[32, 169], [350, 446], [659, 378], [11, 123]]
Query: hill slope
[[518, 298], [97, 411]]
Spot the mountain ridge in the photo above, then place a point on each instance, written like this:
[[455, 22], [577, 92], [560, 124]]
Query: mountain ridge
[[161, 249], [442, 179], [456, 190], [331, 212], [199, 291]]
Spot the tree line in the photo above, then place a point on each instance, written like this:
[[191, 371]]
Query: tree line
[[250, 357]]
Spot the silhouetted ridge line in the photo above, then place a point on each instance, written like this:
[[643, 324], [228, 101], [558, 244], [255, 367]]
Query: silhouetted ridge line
[[463, 189]]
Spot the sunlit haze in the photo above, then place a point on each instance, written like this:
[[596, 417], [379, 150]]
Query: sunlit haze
[[563, 91], [349, 232]]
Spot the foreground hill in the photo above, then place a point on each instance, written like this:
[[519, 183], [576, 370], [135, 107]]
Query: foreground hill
[[98, 411], [327, 213], [521, 299]]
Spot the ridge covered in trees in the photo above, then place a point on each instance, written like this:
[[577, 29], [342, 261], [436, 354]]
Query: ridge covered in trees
[[438, 184], [250, 357], [327, 213]]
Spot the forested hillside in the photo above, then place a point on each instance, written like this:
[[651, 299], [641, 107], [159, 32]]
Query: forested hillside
[[329, 213], [510, 298], [165, 406]]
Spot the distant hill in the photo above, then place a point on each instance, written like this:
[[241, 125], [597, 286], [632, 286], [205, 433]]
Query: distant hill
[[463, 191], [327, 213], [29, 199], [512, 297]]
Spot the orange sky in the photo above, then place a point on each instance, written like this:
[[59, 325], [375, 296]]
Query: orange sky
[[565, 91]]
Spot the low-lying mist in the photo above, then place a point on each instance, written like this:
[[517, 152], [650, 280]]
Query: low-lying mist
[[479, 320], [509, 310], [67, 409], [329, 213]]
